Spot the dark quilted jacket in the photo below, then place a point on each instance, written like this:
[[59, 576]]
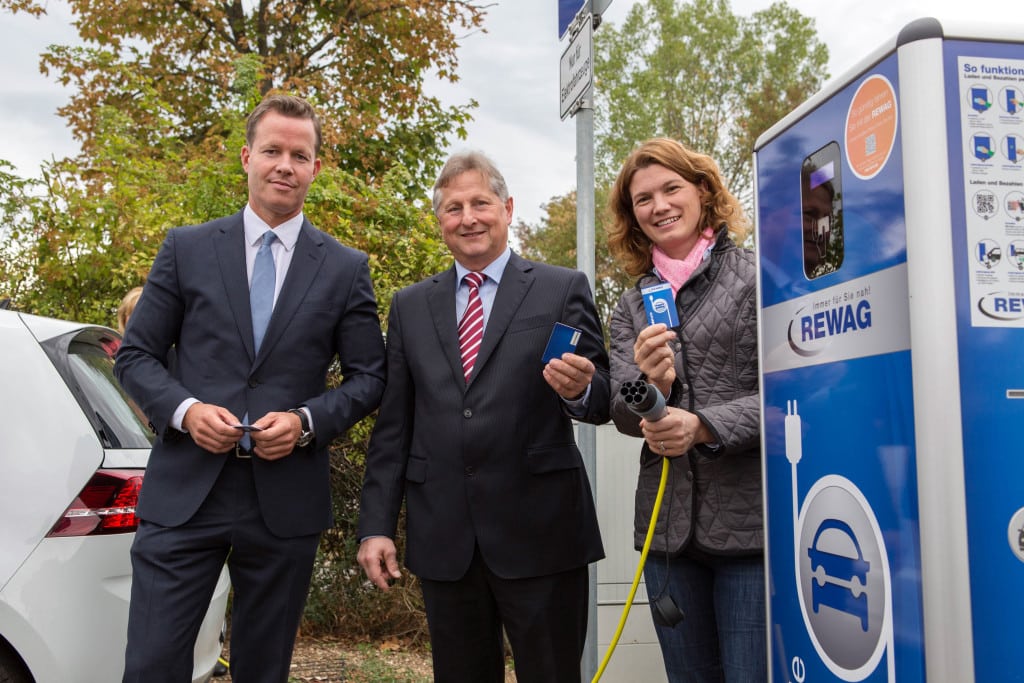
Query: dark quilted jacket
[[714, 497]]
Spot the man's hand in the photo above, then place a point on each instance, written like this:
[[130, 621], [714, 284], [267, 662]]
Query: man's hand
[[211, 427], [379, 559], [278, 435], [569, 375]]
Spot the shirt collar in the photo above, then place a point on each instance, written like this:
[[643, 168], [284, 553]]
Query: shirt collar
[[493, 270], [287, 232]]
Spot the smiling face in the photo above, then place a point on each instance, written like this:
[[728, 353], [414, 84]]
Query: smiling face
[[281, 164], [667, 207], [474, 220]]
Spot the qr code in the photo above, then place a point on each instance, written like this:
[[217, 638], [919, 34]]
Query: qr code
[[985, 203], [870, 144]]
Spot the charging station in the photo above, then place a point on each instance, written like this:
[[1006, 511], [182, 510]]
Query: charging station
[[890, 239]]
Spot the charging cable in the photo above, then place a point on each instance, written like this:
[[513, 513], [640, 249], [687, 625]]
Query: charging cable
[[646, 401]]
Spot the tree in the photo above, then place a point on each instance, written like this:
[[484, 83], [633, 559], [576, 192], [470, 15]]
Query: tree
[[79, 251], [693, 71], [161, 94], [554, 241], [707, 77], [362, 62], [16, 199]]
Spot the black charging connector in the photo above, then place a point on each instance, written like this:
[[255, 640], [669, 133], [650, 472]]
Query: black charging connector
[[665, 611]]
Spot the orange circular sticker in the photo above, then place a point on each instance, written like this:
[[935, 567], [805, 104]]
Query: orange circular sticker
[[870, 127]]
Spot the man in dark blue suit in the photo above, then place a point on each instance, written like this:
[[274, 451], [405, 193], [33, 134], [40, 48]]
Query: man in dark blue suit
[[239, 471], [475, 434]]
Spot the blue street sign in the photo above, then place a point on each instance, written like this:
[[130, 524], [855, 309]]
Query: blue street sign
[[567, 11]]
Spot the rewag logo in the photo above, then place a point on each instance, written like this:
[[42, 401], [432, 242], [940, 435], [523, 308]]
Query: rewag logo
[[1002, 305], [811, 331]]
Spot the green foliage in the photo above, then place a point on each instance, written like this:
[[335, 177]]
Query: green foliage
[[693, 71], [554, 241], [699, 73], [94, 233], [341, 601], [16, 201], [400, 236], [363, 63], [404, 246]]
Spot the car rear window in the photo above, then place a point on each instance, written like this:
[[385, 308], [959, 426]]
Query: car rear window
[[85, 360]]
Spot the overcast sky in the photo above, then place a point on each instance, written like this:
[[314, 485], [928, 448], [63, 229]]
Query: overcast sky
[[512, 71]]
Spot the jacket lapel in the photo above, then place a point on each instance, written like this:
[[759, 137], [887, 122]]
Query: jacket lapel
[[441, 301], [515, 283], [229, 243]]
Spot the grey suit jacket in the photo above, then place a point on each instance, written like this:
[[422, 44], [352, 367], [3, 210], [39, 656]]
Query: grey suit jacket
[[196, 300], [493, 463]]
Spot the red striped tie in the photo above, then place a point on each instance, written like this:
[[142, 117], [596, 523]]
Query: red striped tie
[[471, 327]]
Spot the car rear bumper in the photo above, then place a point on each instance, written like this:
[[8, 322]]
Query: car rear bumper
[[65, 611]]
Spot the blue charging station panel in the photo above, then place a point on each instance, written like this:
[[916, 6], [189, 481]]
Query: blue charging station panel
[[890, 238]]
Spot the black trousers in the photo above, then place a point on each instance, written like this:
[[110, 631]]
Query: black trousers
[[545, 618], [174, 573]]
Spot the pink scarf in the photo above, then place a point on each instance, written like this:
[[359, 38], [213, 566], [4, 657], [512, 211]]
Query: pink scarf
[[676, 271]]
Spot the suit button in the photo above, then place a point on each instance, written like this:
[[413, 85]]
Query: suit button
[[253, 383], [467, 413], [470, 471]]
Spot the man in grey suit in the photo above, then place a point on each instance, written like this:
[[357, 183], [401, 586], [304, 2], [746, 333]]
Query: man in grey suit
[[477, 438], [239, 471]]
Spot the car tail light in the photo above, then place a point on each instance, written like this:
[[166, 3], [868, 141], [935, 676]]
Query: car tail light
[[105, 506]]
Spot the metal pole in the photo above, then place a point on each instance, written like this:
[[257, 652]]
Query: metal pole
[[583, 112], [585, 261]]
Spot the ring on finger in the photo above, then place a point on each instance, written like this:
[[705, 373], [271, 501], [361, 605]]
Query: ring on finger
[[661, 445]]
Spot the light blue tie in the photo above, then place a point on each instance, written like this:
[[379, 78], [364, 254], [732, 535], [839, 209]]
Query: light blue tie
[[261, 290], [261, 301]]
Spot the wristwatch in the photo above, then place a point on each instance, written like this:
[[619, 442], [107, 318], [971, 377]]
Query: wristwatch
[[305, 436]]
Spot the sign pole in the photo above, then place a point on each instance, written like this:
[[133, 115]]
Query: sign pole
[[585, 261], [577, 101], [576, 87]]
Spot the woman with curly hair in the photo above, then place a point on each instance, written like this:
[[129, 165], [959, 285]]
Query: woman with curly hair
[[675, 222]]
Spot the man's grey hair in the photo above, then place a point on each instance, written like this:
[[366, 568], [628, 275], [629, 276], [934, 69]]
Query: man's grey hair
[[460, 163]]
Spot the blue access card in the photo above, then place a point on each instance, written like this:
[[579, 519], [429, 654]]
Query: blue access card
[[659, 304], [563, 339]]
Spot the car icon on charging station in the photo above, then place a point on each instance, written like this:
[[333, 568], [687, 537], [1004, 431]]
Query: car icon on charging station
[[839, 580]]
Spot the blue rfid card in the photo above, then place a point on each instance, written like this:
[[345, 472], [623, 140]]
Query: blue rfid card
[[563, 339], [660, 305]]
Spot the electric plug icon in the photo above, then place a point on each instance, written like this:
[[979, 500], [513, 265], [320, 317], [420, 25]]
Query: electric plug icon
[[794, 438]]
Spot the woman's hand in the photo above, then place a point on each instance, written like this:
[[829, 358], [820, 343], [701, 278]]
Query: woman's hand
[[655, 357], [676, 433]]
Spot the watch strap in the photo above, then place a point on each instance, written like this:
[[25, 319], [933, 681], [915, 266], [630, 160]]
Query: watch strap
[[305, 435], [303, 419]]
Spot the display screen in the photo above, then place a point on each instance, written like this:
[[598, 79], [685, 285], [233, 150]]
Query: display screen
[[821, 200]]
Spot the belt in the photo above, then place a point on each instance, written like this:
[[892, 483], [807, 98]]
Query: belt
[[243, 453]]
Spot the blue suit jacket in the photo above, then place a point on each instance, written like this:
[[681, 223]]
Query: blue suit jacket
[[493, 463], [196, 300]]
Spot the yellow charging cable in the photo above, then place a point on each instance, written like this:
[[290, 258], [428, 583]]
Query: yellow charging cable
[[639, 570]]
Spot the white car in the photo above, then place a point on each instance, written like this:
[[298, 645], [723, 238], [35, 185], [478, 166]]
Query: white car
[[73, 454]]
